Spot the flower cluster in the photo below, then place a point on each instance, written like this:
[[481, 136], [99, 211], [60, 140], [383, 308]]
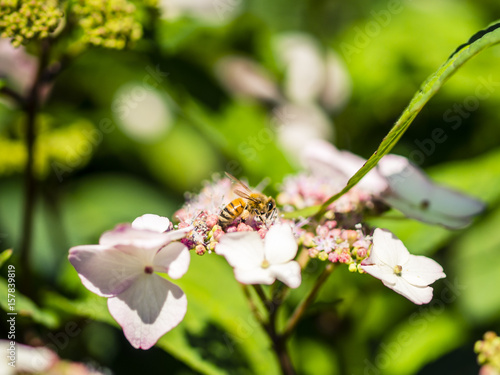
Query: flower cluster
[[202, 210], [338, 245], [488, 354], [109, 24], [123, 267], [24, 20]]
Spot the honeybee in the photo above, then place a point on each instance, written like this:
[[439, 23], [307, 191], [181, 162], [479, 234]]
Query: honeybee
[[255, 204]]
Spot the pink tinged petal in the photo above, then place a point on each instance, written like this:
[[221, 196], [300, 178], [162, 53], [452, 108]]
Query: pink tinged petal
[[173, 259], [243, 250], [280, 245], [381, 272], [288, 273], [148, 309], [151, 222], [321, 157], [418, 295], [388, 249], [416, 196], [124, 234], [108, 271], [422, 271], [256, 275]]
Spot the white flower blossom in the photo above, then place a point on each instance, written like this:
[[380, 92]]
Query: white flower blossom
[[262, 261], [406, 274]]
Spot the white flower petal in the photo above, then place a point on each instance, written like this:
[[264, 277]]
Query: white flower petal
[[152, 222], [288, 273], [28, 359], [422, 271], [148, 309], [173, 259], [388, 249], [382, 272], [280, 245], [418, 295], [338, 85], [256, 275], [304, 64], [244, 77], [243, 250], [108, 271]]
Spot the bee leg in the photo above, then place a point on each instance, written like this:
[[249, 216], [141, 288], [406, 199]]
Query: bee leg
[[245, 214]]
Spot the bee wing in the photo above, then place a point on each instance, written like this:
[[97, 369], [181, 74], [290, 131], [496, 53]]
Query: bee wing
[[245, 193]]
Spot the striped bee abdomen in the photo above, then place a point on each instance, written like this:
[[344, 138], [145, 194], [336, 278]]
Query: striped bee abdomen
[[233, 209]]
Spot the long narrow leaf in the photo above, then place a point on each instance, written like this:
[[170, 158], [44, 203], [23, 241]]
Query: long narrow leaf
[[478, 42]]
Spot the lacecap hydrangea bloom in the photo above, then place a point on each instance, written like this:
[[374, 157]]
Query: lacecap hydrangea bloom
[[125, 268]]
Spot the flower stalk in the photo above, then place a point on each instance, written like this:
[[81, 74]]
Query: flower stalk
[[32, 104]]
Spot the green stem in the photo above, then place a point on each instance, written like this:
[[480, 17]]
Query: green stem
[[31, 109], [306, 302]]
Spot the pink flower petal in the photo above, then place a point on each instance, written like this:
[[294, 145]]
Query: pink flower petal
[[288, 273], [322, 158], [148, 309], [173, 259], [108, 271], [418, 295], [243, 250], [124, 234], [280, 245], [254, 276], [422, 271], [152, 222]]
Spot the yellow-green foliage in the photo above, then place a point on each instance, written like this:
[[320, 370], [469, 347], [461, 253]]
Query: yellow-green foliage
[[66, 148]]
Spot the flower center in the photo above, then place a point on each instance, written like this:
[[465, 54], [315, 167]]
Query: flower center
[[398, 270], [265, 264], [148, 270]]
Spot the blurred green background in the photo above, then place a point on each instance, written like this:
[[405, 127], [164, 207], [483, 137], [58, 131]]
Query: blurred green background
[[128, 132]]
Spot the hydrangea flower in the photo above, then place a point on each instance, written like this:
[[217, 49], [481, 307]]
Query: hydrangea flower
[[123, 266], [262, 261], [406, 274]]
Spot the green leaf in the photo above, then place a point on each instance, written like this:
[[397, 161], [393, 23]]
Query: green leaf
[[476, 263], [429, 333], [4, 256], [216, 298], [480, 41], [25, 307]]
